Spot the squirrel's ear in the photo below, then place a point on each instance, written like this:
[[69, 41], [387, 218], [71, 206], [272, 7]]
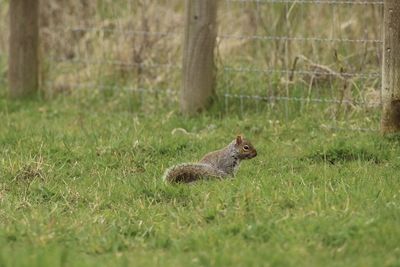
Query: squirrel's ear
[[239, 139]]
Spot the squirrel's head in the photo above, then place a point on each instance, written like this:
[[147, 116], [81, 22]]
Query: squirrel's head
[[245, 149]]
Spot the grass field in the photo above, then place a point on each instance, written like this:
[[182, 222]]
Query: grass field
[[80, 171], [80, 186]]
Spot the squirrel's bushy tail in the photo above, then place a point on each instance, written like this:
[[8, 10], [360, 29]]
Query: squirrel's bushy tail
[[190, 172]]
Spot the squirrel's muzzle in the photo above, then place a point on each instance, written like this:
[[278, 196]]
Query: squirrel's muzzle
[[253, 154]]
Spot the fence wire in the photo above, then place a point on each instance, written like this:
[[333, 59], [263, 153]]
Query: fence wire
[[329, 2], [327, 53], [270, 53]]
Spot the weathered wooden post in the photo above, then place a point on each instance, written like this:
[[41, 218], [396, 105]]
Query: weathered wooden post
[[198, 55], [23, 61], [390, 122]]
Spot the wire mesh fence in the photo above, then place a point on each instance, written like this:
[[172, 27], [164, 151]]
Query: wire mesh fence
[[112, 47], [304, 53], [285, 58]]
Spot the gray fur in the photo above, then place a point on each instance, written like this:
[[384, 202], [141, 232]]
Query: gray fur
[[190, 172], [218, 164]]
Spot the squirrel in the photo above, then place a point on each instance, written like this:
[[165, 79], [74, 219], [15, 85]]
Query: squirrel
[[217, 164]]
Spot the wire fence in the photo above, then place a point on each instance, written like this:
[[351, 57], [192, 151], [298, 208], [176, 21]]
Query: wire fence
[[324, 54]]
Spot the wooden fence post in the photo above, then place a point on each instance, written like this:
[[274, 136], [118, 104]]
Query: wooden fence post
[[23, 61], [390, 122], [198, 55]]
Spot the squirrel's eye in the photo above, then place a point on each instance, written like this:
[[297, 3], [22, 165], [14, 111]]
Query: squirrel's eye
[[246, 147]]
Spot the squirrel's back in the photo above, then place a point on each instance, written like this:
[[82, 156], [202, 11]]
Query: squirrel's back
[[190, 172]]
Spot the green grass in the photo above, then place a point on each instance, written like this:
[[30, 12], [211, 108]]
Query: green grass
[[80, 186]]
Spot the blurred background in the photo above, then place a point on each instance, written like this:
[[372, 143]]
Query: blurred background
[[283, 58]]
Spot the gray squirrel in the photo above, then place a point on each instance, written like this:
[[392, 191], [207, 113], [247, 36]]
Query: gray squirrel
[[217, 164]]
